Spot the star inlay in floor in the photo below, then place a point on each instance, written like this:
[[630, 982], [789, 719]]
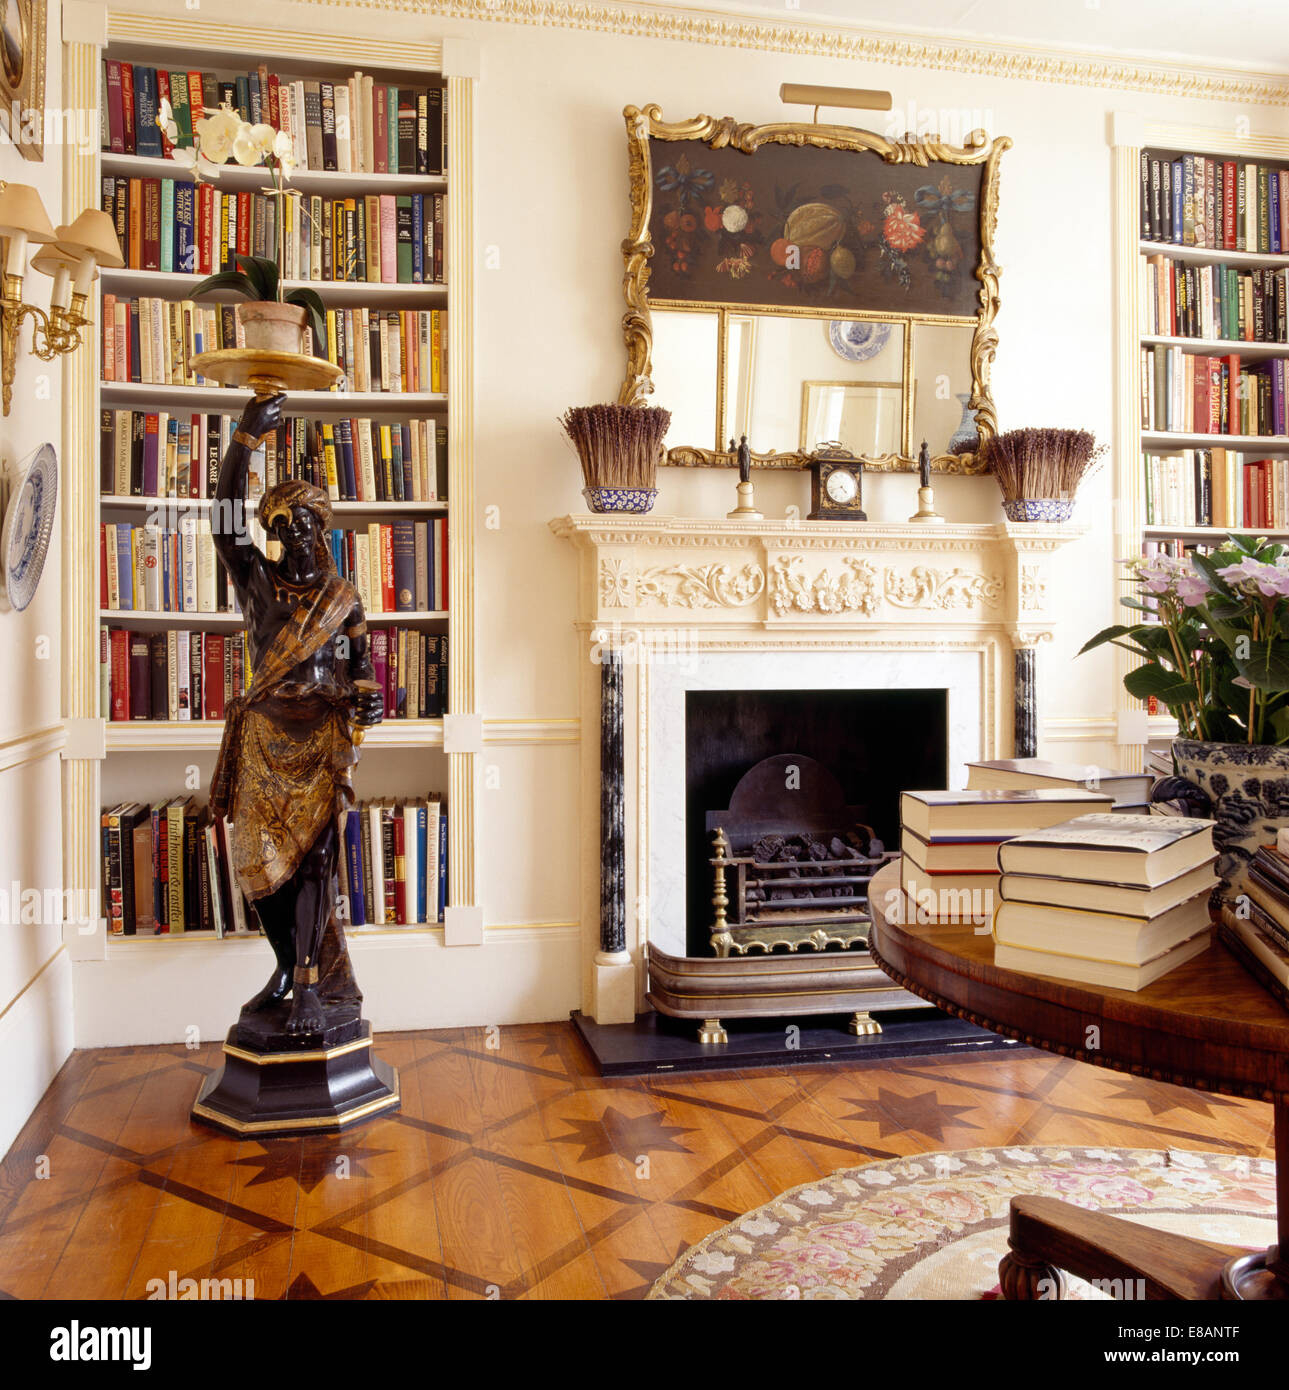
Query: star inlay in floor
[[625, 1135], [512, 1169], [893, 1113]]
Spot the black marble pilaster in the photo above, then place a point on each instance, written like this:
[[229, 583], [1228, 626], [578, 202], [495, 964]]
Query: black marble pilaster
[[1026, 725], [613, 825]]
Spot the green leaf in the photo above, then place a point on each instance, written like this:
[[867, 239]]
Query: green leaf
[[262, 273], [1266, 666], [1206, 566], [1167, 686], [226, 280], [1108, 634]]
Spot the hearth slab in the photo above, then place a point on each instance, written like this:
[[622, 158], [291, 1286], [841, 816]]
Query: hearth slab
[[656, 1044]]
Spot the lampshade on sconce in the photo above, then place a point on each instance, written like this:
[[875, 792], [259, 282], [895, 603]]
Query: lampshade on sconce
[[23, 219], [62, 265], [72, 254]]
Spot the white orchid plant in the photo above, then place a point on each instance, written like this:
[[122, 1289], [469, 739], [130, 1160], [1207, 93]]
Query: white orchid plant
[[216, 138]]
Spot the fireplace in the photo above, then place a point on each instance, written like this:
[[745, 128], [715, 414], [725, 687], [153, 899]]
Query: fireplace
[[927, 634], [762, 766]]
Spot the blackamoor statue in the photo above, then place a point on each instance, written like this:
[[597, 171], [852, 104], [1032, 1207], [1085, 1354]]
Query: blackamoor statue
[[285, 763]]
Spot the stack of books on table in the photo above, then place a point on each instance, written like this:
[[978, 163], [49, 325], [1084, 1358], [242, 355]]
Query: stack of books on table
[[949, 842], [1105, 899], [1128, 791], [1256, 928]]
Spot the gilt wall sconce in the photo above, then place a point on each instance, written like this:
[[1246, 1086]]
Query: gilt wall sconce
[[71, 254]]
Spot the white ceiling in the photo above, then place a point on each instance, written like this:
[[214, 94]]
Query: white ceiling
[[1248, 33]]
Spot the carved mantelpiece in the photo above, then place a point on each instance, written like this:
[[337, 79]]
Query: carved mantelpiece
[[650, 570], [691, 602]]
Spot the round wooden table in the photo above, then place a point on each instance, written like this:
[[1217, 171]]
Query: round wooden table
[[1208, 1024]]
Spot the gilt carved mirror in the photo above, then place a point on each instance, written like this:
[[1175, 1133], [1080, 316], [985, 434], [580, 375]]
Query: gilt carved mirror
[[810, 284]]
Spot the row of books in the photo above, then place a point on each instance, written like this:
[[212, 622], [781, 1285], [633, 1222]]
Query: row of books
[[176, 675], [397, 567], [394, 862], [181, 675], [166, 871], [1214, 301], [949, 839], [1109, 900], [356, 125], [1256, 929], [176, 225], [167, 868], [153, 454], [1194, 394], [1216, 487], [1218, 204], [1058, 862], [153, 341]]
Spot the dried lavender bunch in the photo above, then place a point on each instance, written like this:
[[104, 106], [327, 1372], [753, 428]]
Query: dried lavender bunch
[[619, 445], [1041, 462]]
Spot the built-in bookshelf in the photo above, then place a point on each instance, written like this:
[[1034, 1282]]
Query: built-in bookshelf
[[1213, 336], [383, 242], [1202, 324]]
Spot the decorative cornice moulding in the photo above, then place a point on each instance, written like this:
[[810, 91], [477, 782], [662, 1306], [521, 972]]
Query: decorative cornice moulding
[[1015, 61]]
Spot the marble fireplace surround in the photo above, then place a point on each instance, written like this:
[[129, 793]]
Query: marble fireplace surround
[[667, 605]]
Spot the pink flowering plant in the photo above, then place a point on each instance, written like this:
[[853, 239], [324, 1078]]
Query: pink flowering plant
[[1214, 644]]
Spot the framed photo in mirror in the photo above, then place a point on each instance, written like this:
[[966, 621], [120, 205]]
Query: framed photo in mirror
[[865, 417], [759, 229]]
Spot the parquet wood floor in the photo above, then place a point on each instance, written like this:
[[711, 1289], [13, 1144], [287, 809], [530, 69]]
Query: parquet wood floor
[[513, 1170]]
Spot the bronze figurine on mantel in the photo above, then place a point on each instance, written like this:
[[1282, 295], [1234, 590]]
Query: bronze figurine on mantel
[[299, 1057], [746, 509], [926, 513]]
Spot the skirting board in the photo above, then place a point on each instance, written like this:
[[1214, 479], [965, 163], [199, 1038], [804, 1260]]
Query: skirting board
[[654, 1044], [36, 1038]]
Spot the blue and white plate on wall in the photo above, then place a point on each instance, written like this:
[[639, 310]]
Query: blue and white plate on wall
[[32, 494], [858, 340]]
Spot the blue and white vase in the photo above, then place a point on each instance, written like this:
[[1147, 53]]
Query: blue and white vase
[[628, 501], [1248, 787], [966, 437], [1039, 509]]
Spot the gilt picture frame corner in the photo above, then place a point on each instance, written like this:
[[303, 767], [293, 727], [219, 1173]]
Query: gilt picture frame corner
[[23, 39], [711, 231]]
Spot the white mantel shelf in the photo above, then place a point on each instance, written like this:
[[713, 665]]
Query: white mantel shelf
[[643, 569]]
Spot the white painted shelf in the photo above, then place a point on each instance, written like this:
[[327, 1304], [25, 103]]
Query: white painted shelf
[[1157, 441], [403, 405], [1205, 255], [162, 735], [235, 176], [136, 615], [1221, 347], [178, 284], [1214, 532], [180, 505]]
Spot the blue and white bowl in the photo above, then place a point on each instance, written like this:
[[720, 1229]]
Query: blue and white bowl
[[1039, 509], [628, 500]]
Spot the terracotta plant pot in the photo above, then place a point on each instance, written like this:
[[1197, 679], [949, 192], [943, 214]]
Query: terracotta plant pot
[[272, 327], [1248, 785]]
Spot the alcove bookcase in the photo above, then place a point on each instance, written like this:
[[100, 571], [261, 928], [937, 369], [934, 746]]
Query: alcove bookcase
[[1130, 135], [121, 979]]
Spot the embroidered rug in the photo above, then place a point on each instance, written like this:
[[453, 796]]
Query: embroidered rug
[[934, 1226]]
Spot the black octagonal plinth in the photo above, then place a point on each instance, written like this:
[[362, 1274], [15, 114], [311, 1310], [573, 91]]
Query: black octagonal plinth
[[300, 1090]]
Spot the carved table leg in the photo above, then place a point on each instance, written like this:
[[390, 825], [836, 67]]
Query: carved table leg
[[712, 1032], [1024, 1278], [863, 1024], [1119, 1257]]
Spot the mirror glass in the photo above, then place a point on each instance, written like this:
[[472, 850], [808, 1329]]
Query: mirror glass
[[686, 374], [941, 395]]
